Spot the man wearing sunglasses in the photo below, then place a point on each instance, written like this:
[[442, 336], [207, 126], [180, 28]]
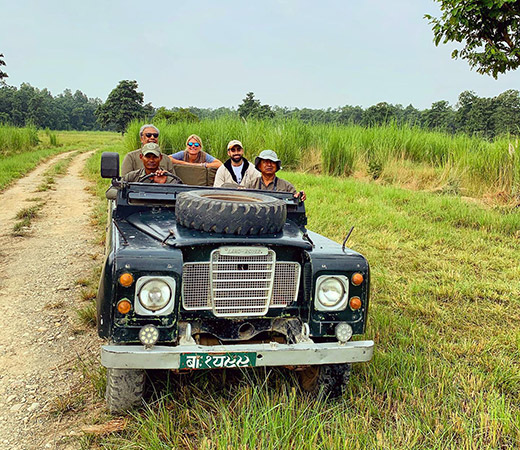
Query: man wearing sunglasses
[[237, 170], [132, 161]]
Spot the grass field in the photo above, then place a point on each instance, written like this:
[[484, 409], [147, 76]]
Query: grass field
[[444, 314], [404, 155], [22, 149]]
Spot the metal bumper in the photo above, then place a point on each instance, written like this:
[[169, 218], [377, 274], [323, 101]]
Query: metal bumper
[[272, 354]]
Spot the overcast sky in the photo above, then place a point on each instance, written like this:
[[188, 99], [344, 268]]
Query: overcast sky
[[295, 53]]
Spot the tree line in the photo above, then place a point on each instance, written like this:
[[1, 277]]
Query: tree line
[[27, 105]]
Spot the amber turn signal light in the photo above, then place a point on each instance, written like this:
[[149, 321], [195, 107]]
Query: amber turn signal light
[[357, 279], [126, 279], [124, 306], [355, 303]]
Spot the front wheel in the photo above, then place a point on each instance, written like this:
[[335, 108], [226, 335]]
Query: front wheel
[[328, 380], [125, 389]]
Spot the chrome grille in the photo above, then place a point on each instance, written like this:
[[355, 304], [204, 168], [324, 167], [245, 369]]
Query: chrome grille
[[240, 284]]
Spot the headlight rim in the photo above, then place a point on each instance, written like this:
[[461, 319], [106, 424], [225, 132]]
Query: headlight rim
[[167, 308], [341, 305]]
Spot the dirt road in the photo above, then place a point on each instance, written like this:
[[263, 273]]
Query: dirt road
[[41, 341]]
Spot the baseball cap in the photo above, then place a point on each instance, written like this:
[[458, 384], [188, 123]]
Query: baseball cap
[[233, 143], [270, 155], [151, 147]]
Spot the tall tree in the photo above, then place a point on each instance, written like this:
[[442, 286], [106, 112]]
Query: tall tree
[[440, 116], [2, 73], [123, 105], [252, 107], [489, 29]]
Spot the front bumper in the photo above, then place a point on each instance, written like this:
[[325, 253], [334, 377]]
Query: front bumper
[[272, 354]]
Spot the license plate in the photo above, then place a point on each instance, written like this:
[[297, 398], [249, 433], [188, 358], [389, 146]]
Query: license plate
[[217, 361]]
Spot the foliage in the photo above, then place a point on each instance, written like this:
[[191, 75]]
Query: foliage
[[16, 140], [2, 73], [179, 115], [123, 105], [489, 30], [29, 105], [252, 108], [480, 165], [20, 153]]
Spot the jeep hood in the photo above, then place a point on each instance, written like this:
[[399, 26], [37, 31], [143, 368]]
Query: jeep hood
[[161, 225]]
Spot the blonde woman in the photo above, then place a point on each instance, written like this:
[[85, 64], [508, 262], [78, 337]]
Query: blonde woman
[[194, 155]]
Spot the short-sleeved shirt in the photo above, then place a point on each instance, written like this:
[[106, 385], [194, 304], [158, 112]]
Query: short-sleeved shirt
[[138, 175], [277, 185], [180, 157], [132, 162]]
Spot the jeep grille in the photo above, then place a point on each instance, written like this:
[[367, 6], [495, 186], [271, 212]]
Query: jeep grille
[[240, 285]]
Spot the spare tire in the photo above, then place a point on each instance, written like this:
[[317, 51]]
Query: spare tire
[[230, 212]]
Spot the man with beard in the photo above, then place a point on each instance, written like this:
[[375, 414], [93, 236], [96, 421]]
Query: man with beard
[[132, 161], [237, 171], [151, 157]]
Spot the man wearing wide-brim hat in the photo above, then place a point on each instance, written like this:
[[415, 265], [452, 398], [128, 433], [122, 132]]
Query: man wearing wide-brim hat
[[268, 163], [151, 157]]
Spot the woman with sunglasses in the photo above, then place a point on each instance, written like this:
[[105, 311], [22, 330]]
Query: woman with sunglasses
[[194, 155]]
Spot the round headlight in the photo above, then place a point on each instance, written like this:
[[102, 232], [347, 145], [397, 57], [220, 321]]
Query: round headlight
[[330, 292], [155, 295]]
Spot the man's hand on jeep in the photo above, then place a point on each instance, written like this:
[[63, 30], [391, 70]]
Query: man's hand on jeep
[[300, 196]]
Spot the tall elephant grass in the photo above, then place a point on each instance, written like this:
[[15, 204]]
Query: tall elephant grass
[[15, 140], [470, 161]]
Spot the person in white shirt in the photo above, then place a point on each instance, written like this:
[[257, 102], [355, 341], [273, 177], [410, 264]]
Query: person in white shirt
[[237, 171]]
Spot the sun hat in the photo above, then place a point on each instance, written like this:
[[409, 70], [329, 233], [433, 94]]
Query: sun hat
[[271, 156], [151, 148]]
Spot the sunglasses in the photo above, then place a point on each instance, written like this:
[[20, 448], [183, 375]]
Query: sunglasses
[[235, 149], [193, 144], [155, 135]]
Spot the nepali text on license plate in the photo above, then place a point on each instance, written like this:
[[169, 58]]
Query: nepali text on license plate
[[217, 361]]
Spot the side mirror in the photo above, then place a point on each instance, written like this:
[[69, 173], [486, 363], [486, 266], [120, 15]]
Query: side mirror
[[110, 165]]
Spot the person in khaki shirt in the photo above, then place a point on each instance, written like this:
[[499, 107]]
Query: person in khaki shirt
[[267, 163], [151, 157], [147, 134]]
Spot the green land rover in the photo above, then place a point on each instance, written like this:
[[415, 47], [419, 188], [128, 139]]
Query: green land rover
[[199, 278]]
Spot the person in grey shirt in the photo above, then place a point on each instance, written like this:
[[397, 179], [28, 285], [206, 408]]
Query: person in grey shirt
[[151, 157], [268, 163], [147, 134]]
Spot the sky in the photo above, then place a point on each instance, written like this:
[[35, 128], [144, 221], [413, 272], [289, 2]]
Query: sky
[[210, 53]]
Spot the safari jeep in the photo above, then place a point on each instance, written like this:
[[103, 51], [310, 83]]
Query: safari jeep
[[199, 278]]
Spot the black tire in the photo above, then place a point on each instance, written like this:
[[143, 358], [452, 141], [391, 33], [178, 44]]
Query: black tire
[[328, 380], [230, 212], [125, 389]]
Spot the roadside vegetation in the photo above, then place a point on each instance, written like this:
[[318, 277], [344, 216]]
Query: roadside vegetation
[[24, 217], [392, 154], [444, 314], [22, 149]]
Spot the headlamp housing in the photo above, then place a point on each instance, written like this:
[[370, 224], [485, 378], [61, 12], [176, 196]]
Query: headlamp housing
[[331, 293], [154, 295]]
